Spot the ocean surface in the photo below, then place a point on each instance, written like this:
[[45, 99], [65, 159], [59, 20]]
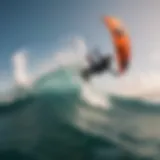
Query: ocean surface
[[56, 120]]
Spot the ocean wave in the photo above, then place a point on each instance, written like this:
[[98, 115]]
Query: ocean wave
[[54, 111], [135, 104]]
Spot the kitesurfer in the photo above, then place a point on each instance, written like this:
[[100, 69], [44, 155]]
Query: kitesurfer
[[98, 63]]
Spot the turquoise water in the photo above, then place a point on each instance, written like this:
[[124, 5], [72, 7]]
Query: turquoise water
[[53, 121]]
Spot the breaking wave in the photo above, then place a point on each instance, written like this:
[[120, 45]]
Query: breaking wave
[[58, 116]]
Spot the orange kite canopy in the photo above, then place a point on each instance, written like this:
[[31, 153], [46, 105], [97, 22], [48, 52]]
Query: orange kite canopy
[[120, 40]]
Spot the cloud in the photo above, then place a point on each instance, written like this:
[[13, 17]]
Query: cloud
[[133, 84], [71, 55], [154, 57]]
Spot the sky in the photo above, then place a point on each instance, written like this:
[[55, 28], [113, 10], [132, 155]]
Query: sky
[[40, 27]]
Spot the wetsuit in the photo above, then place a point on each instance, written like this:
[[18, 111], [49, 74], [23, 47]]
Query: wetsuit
[[104, 64]]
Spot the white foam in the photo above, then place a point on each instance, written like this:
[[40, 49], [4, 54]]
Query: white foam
[[94, 97], [20, 68]]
